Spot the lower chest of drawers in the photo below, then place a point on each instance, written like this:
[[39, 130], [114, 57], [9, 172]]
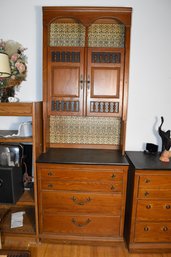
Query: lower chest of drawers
[[82, 200], [151, 211]]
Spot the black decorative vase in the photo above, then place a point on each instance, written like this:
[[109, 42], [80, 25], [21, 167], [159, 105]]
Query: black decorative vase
[[5, 93]]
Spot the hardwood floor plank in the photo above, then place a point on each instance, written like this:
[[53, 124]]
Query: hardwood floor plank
[[67, 250], [64, 250], [38, 250]]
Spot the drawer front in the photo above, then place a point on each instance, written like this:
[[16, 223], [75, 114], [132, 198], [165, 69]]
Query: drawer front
[[155, 181], [154, 210], [81, 202], [154, 193], [82, 172], [86, 186], [153, 232], [80, 224]]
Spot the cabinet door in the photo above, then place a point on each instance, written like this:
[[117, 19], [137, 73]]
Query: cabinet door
[[66, 80], [105, 82]]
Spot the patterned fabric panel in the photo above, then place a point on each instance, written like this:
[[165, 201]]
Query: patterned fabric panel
[[85, 130], [67, 34], [106, 35]]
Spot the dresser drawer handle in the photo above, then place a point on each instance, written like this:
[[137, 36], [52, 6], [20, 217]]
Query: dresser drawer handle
[[147, 180], [148, 206], [146, 193], [78, 202], [164, 228], [113, 176], [146, 228], [50, 173], [74, 221], [167, 206], [50, 185], [112, 187]]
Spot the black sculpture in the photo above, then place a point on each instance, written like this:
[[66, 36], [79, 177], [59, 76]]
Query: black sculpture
[[166, 142], [165, 136]]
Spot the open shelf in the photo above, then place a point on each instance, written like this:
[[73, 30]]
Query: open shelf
[[28, 221], [16, 109], [16, 140], [13, 139], [27, 198]]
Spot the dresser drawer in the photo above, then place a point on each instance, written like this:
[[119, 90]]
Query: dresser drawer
[[80, 224], [154, 193], [82, 172], [153, 232], [86, 186], [154, 210], [155, 181], [81, 202]]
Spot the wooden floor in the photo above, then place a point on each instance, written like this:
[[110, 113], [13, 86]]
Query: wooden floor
[[64, 250]]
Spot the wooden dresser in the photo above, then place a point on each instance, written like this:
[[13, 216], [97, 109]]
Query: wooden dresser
[[81, 195], [148, 214]]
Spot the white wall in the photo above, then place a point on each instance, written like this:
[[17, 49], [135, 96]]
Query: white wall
[[150, 65]]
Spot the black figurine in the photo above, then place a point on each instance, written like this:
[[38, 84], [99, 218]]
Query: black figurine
[[166, 142]]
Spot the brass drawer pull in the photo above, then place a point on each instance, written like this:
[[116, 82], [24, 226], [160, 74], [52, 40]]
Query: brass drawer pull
[[74, 221], [146, 228], [112, 187], [167, 206], [113, 176], [76, 201], [146, 193], [164, 228], [148, 206], [50, 173], [147, 180]]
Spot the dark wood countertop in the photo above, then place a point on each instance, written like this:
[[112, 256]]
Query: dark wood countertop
[[147, 161], [83, 156]]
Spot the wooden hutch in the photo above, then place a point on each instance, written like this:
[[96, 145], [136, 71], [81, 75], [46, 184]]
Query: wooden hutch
[[82, 173]]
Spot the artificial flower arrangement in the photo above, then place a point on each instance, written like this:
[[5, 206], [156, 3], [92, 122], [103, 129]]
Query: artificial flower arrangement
[[18, 61]]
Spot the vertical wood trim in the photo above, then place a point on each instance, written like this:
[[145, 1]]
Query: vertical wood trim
[[37, 146], [134, 208], [125, 88], [45, 88], [125, 175]]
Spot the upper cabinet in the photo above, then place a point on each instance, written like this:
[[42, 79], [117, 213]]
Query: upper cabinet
[[66, 56], [85, 61]]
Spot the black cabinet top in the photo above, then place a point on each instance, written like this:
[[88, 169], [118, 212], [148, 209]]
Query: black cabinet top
[[83, 156], [147, 161]]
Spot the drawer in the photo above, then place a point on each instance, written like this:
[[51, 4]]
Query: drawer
[[154, 193], [81, 202], [153, 232], [80, 224], [155, 181], [82, 172], [86, 186], [154, 210]]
